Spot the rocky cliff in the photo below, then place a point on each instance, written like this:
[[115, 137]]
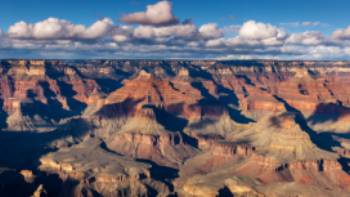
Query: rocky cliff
[[165, 128]]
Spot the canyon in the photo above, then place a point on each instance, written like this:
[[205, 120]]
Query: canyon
[[260, 128]]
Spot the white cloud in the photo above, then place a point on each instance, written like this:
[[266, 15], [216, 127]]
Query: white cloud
[[306, 38], [144, 32], [20, 30], [251, 39], [215, 42], [193, 44], [210, 30], [342, 34], [120, 38], [98, 29], [320, 52], [259, 31], [181, 30], [259, 34], [157, 14], [53, 28]]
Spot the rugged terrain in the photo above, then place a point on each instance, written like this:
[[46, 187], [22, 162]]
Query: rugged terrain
[[174, 128]]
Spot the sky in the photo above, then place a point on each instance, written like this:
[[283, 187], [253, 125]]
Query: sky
[[196, 29]]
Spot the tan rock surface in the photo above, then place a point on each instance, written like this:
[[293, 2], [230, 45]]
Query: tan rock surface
[[176, 127]]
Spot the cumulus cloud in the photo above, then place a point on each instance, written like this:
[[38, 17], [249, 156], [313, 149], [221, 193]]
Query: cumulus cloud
[[210, 30], [20, 30], [342, 34], [54, 28], [259, 31], [98, 29], [215, 42], [253, 33], [158, 14], [180, 30], [161, 38], [319, 52], [157, 33], [120, 38], [306, 38], [261, 40]]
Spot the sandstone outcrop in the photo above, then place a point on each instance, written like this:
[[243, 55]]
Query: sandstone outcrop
[[143, 137], [97, 170], [175, 127]]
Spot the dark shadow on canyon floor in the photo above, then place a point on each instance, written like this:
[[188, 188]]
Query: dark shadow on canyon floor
[[162, 173], [211, 105], [225, 192], [22, 150], [173, 123], [328, 112], [324, 140]]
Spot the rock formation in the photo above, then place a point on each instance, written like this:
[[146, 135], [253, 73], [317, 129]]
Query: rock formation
[[174, 128]]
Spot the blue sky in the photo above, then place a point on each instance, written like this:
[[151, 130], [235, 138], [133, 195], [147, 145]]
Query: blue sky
[[323, 16], [224, 12], [335, 13]]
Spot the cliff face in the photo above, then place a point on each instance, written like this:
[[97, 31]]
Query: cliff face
[[94, 169], [187, 128]]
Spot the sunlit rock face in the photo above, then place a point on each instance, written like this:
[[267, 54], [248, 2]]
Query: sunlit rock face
[[174, 128]]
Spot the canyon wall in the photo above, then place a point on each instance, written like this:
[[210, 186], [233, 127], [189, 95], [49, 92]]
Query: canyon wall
[[175, 127]]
